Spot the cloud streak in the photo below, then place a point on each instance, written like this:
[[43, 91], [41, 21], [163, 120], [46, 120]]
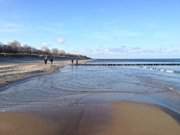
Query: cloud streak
[[132, 52], [10, 27]]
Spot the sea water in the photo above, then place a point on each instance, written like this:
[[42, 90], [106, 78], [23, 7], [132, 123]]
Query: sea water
[[146, 84]]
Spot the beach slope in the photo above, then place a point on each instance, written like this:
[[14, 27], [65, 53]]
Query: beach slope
[[124, 118]]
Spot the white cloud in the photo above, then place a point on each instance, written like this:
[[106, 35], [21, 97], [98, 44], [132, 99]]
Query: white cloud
[[60, 40]]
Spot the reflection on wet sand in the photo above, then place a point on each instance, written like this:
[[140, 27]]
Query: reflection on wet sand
[[92, 119]]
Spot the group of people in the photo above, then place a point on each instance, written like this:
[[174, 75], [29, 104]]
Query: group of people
[[51, 59], [72, 61], [46, 58]]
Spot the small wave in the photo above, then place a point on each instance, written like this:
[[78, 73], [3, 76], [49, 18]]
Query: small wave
[[162, 70], [169, 71]]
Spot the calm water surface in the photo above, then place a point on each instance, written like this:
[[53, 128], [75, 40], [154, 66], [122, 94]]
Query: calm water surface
[[155, 85]]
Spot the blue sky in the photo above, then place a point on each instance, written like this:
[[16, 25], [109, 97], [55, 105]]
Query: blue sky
[[97, 28]]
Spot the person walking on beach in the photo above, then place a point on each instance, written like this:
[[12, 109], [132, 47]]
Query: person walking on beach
[[51, 59], [72, 61], [76, 61], [45, 59]]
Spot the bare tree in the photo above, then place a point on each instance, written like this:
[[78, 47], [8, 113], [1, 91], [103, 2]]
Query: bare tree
[[27, 49], [46, 50], [14, 46], [61, 52], [55, 51], [1, 47]]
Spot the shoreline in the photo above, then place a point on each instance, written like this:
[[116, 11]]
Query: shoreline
[[100, 119], [78, 115], [12, 73]]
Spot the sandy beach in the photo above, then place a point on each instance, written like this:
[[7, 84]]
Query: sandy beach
[[117, 118], [13, 72], [89, 67], [57, 104]]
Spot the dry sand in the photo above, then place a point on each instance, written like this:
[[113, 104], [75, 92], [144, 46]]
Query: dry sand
[[122, 118]]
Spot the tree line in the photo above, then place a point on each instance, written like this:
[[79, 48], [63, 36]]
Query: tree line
[[16, 47]]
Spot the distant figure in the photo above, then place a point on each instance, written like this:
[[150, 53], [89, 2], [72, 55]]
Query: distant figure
[[72, 61], [51, 59], [76, 61], [45, 59]]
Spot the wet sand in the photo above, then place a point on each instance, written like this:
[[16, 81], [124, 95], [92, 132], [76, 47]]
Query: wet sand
[[126, 118], [13, 72]]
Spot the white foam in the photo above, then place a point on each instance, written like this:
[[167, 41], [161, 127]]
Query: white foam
[[162, 70], [169, 71]]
